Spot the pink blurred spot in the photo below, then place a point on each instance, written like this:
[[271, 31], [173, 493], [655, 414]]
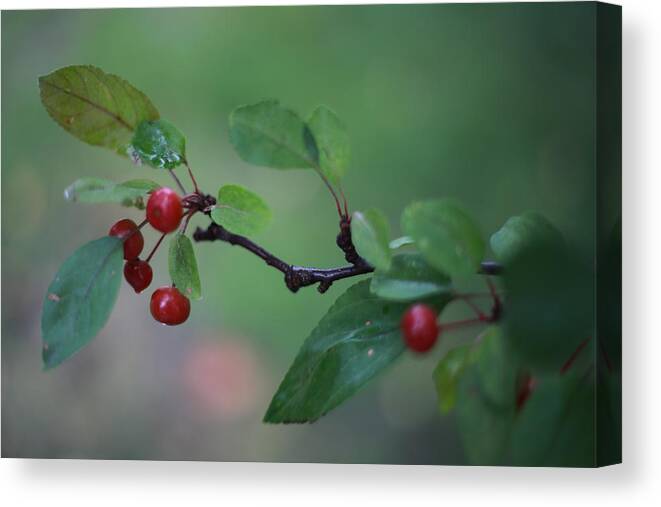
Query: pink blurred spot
[[222, 378]]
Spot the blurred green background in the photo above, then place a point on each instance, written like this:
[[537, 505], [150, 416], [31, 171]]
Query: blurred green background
[[491, 104]]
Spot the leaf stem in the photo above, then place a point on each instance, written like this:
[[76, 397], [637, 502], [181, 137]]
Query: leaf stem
[[331, 190], [467, 299], [463, 323], [344, 200], [190, 173], [174, 176]]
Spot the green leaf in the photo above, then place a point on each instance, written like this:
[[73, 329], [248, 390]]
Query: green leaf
[[401, 242], [486, 400], [332, 147], [447, 373], [159, 144], [370, 232], [529, 230], [183, 267], [446, 235], [550, 305], [409, 278], [353, 342], [267, 134], [95, 190], [240, 211], [556, 426], [484, 426], [80, 298], [497, 366], [98, 108]]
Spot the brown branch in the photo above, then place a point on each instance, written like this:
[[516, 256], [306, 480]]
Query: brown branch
[[295, 276]]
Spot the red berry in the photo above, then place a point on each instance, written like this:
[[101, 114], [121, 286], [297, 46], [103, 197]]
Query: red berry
[[133, 240], [138, 273], [420, 328], [164, 210], [169, 306]]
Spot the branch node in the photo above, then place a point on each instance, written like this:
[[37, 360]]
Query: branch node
[[324, 286], [345, 242], [292, 281]]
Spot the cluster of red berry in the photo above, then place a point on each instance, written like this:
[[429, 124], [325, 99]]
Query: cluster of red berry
[[164, 213]]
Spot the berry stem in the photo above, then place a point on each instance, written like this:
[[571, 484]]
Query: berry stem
[[481, 316], [189, 214], [136, 230], [497, 306], [153, 251], [492, 289], [463, 323], [467, 299], [574, 355]]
